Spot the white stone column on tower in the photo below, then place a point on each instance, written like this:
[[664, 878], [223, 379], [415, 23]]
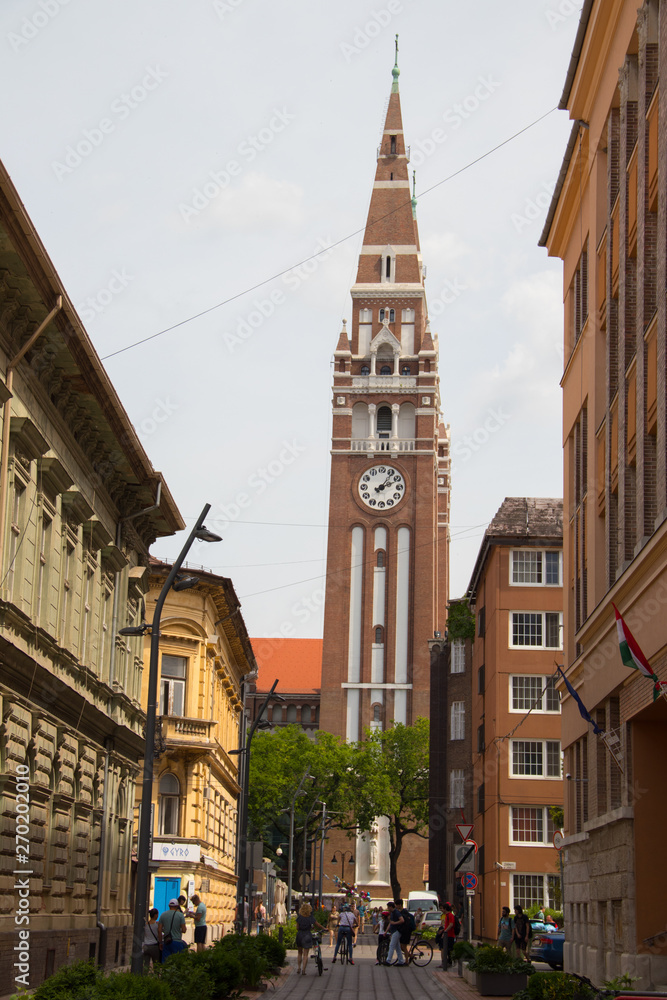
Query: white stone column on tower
[[372, 421], [395, 410]]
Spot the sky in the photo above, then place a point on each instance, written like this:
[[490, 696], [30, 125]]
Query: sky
[[207, 167]]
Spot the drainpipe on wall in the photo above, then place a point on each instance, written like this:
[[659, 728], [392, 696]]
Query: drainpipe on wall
[[102, 946], [7, 412]]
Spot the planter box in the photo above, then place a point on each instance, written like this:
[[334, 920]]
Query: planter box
[[500, 984], [470, 977]]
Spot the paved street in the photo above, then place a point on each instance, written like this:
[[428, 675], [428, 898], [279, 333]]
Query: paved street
[[364, 978]]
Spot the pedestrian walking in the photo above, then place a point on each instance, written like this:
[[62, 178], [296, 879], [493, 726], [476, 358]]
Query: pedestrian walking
[[152, 944], [522, 932], [304, 936], [395, 928], [333, 922], [505, 929], [449, 932], [199, 914]]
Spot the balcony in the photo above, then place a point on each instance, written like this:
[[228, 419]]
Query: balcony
[[395, 382], [179, 728], [382, 444]]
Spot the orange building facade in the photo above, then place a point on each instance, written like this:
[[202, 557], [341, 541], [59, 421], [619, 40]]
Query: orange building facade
[[607, 223], [516, 592]]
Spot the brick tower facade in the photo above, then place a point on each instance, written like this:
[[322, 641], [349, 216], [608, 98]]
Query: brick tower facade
[[388, 555]]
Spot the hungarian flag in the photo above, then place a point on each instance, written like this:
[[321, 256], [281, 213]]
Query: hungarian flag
[[632, 655]]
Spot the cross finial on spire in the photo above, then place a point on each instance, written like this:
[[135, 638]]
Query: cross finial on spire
[[395, 71]]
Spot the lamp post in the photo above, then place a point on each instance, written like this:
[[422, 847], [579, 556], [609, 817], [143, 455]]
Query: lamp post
[[343, 858], [201, 533], [243, 825], [290, 863]]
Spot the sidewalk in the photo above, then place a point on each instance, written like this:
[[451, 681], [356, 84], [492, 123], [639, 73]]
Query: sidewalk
[[373, 982]]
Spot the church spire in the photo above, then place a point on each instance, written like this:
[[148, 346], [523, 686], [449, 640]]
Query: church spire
[[390, 264]]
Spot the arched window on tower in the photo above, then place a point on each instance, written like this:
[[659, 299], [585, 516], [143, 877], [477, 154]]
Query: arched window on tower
[[379, 635], [365, 370], [170, 797], [360, 421], [380, 558], [384, 421], [392, 145], [376, 721], [385, 370], [389, 314], [406, 422]]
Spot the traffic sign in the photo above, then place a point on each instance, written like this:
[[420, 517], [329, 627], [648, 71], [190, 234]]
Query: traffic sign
[[470, 892], [464, 856], [558, 840], [465, 829], [469, 880]]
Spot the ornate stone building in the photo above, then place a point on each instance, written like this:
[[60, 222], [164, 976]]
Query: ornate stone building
[[388, 546], [80, 505], [607, 223], [205, 654]]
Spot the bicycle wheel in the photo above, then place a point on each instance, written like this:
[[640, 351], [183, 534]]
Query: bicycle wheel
[[384, 950], [344, 953], [320, 963], [421, 952]]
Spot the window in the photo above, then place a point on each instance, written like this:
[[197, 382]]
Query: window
[[535, 890], [535, 692], [481, 621], [41, 594], [536, 758], [536, 568], [376, 721], [365, 370], [537, 629], [481, 799], [481, 743], [379, 562], [385, 370], [531, 825], [481, 681], [378, 636], [456, 789], [384, 421], [170, 793], [172, 685], [392, 144], [388, 314], [458, 657], [405, 369], [291, 713], [457, 721], [306, 713]]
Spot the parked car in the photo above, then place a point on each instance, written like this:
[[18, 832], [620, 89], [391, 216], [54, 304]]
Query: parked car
[[431, 919], [547, 944]]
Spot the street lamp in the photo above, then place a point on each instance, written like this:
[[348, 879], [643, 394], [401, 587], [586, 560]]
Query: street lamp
[[198, 533], [343, 858], [243, 825]]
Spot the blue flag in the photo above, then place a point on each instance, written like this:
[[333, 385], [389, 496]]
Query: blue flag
[[583, 711]]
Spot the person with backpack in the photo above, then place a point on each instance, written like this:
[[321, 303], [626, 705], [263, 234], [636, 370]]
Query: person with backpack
[[522, 932], [407, 930], [171, 927], [505, 929], [396, 922], [449, 934]]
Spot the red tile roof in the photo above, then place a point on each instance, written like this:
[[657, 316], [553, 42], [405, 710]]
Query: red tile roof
[[297, 663]]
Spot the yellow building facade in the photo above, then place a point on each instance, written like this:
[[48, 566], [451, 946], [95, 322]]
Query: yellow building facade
[[205, 654], [78, 514]]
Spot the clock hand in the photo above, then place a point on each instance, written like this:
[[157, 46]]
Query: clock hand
[[383, 485]]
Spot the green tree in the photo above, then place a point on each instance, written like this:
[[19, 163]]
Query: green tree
[[385, 774], [392, 774], [460, 620]]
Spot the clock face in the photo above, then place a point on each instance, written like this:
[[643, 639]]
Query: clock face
[[381, 487]]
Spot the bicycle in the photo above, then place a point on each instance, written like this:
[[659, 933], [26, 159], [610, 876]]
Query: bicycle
[[420, 951], [344, 950], [383, 949], [317, 953]]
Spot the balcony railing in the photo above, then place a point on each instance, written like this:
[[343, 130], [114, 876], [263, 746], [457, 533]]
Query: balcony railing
[[384, 381], [382, 444], [177, 726]]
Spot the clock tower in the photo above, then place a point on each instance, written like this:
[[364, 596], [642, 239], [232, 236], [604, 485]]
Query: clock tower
[[388, 544]]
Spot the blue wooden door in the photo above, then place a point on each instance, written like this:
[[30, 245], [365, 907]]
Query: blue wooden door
[[165, 889]]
